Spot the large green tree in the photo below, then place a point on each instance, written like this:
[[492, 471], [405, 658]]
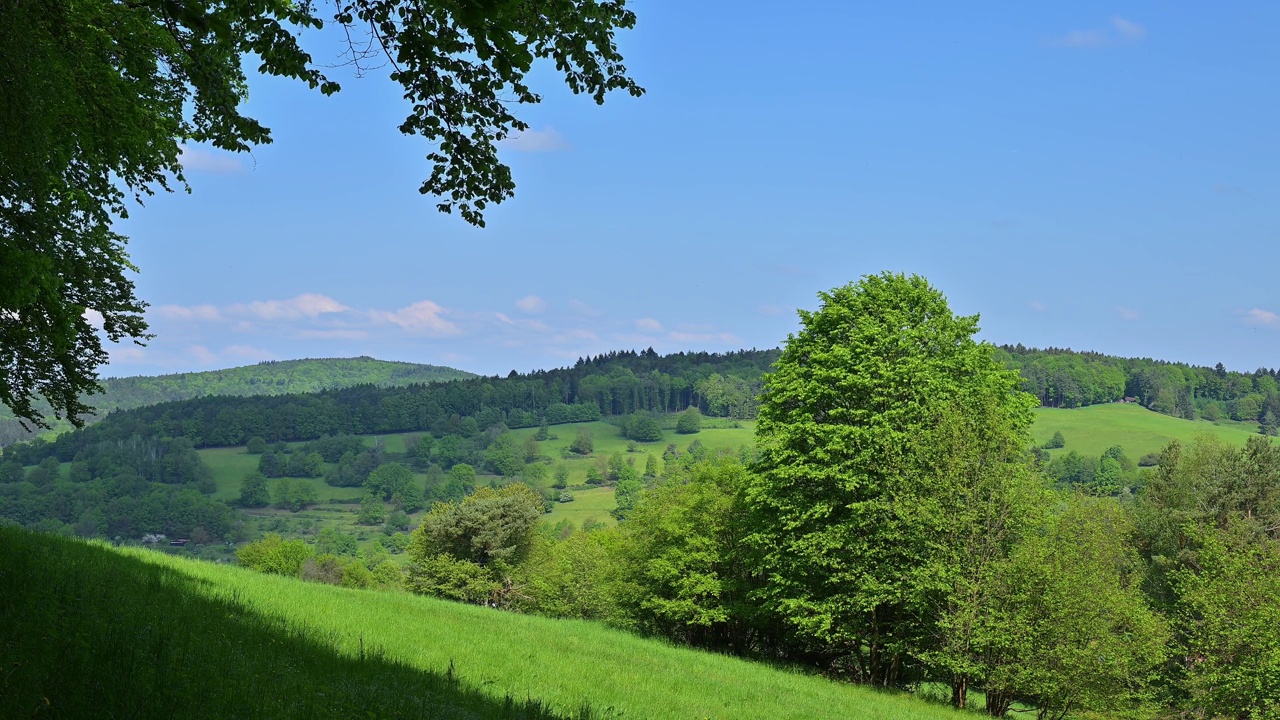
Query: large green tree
[[99, 96], [851, 505]]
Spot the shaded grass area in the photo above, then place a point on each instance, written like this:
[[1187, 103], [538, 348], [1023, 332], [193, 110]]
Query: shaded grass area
[[1091, 430], [90, 631]]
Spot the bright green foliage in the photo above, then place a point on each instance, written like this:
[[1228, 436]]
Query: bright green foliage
[[295, 495], [253, 491], [617, 464], [977, 499], [535, 473], [394, 481], [684, 548], [465, 550], [372, 511], [849, 505], [167, 73], [335, 542], [689, 421], [274, 554], [504, 456], [1068, 628], [1206, 522], [651, 466], [1055, 442], [642, 427], [562, 477], [1229, 614], [583, 443], [574, 577], [626, 495]]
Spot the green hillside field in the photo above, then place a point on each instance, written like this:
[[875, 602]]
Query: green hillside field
[[1091, 430], [87, 630], [338, 505]]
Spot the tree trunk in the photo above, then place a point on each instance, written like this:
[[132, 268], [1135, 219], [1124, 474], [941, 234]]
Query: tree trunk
[[960, 691], [998, 702]]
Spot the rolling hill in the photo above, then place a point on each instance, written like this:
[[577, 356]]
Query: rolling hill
[[265, 378], [87, 630]]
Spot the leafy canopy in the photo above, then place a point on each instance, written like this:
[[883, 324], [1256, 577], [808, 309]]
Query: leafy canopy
[[100, 97], [851, 505]]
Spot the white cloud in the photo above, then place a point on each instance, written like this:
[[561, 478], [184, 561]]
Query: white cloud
[[531, 304], [203, 354], [1037, 306], [421, 317], [1082, 38], [1258, 316], [584, 309], [126, 353], [188, 313], [308, 305], [94, 318], [1128, 29], [1127, 313], [219, 163], [649, 325], [1120, 31], [546, 140]]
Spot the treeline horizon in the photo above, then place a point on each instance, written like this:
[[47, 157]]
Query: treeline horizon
[[626, 381], [607, 385]]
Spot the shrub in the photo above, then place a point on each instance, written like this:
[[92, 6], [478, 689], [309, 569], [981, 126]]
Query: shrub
[[689, 422], [273, 554]]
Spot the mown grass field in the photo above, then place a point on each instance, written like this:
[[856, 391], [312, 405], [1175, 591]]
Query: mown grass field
[[91, 631], [594, 504], [1091, 430]]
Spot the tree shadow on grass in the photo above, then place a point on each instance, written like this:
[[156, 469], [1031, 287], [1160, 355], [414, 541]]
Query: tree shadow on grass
[[87, 632]]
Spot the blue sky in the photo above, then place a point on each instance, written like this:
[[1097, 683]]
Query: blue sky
[[1095, 175]]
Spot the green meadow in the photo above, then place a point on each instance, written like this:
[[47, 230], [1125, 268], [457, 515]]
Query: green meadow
[[337, 505], [87, 630], [1088, 431], [1091, 430]]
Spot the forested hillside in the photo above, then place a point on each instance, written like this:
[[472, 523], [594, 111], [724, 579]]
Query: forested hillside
[[1068, 379], [265, 378], [620, 383]]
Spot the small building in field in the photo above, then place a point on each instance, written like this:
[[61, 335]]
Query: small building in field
[[181, 542]]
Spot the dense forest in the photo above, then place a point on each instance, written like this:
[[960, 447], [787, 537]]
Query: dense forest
[[619, 383], [265, 378]]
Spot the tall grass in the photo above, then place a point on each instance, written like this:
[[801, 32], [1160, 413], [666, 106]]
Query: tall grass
[[90, 631]]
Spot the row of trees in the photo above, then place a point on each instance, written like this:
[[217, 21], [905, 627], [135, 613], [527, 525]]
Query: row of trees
[[1064, 378]]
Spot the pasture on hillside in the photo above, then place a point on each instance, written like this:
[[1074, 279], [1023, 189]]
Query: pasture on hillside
[[1091, 430], [105, 632], [338, 505]]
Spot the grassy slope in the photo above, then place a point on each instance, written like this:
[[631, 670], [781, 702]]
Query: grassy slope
[[1091, 430], [86, 630]]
